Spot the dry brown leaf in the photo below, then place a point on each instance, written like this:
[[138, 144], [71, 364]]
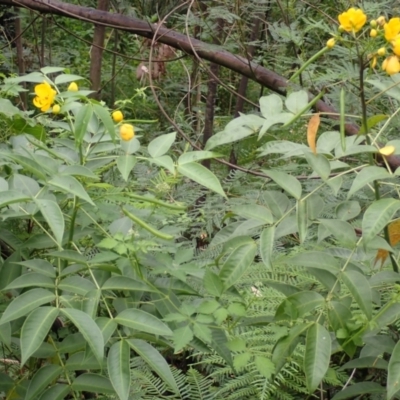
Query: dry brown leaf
[[312, 130], [394, 238]]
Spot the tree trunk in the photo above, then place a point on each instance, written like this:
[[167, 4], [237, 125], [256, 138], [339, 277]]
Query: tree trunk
[[96, 52], [20, 56]]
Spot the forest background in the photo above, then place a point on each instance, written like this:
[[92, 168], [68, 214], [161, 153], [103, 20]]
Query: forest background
[[199, 199]]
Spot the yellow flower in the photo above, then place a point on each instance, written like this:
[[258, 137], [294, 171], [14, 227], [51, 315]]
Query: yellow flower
[[126, 132], [352, 20], [381, 51], [373, 62], [44, 96], [73, 87], [392, 29], [387, 150], [117, 116], [373, 33], [391, 65], [330, 43], [396, 46], [56, 109]]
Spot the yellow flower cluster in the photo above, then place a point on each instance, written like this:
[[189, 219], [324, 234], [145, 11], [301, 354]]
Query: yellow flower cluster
[[392, 34], [45, 95]]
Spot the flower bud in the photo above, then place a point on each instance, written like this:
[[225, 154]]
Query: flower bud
[[117, 116], [373, 24], [126, 132], [56, 109], [381, 51], [73, 87], [373, 33], [330, 43], [381, 20]]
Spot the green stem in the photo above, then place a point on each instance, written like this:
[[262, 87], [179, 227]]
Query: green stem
[[368, 140], [307, 63]]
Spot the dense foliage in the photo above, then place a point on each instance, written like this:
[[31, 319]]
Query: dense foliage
[[135, 266]]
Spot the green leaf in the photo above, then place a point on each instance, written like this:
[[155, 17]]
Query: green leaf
[[35, 329], [105, 118], [303, 302], [270, 105], [31, 279], [76, 284], [319, 163], [10, 270], [393, 379], [265, 366], [256, 212], [161, 144], [213, 283], [70, 185], [267, 245], [118, 365], [155, 361], [25, 303], [366, 362], [64, 78], [282, 147], [142, 321], [316, 356], [52, 70], [5, 334], [302, 219], [28, 164], [371, 122], [354, 391], [237, 263], [235, 130], [285, 346], [277, 202], [82, 119], [286, 182], [92, 383], [53, 215], [125, 164], [202, 175], [164, 162], [241, 360], [89, 329], [41, 266], [13, 196], [359, 287], [368, 175], [342, 230], [296, 101], [125, 283], [348, 210], [107, 327], [315, 259], [79, 170], [193, 156], [182, 336], [56, 392], [42, 378], [219, 345]]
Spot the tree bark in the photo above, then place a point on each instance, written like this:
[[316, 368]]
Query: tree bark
[[96, 52], [20, 58]]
